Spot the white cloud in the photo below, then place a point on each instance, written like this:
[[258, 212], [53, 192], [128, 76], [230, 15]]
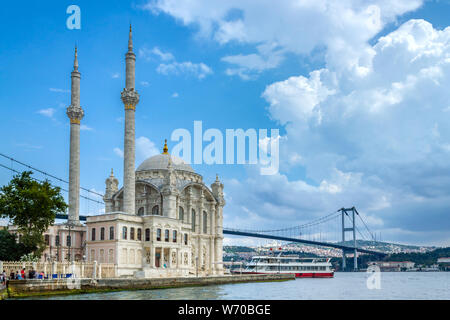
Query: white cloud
[[118, 152], [148, 54], [49, 112], [343, 27], [175, 95], [115, 75], [145, 148], [85, 128], [199, 70], [58, 90], [145, 83]]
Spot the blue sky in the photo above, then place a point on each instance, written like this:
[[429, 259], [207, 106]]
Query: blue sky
[[358, 90]]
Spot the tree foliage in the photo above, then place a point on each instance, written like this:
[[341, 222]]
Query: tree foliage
[[31, 206], [10, 250]]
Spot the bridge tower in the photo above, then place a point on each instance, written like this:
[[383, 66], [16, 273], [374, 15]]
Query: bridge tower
[[353, 230]]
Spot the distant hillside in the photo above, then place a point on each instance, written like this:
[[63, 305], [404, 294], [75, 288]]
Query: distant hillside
[[234, 249], [384, 246], [426, 258]]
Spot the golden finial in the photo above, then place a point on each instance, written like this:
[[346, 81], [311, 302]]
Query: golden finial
[[112, 172], [165, 150]]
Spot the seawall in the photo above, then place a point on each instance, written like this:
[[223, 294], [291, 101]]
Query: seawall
[[29, 288]]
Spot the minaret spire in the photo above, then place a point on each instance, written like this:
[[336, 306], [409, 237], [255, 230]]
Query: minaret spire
[[75, 62], [75, 114], [130, 99], [130, 40]]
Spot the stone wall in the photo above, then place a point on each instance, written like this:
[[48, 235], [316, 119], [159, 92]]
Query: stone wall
[[26, 288]]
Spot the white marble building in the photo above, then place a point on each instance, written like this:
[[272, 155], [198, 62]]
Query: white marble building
[[164, 221]]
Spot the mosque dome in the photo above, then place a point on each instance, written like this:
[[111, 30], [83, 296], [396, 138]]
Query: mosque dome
[[161, 161]]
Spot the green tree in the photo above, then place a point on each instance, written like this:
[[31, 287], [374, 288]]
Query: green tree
[[31, 206], [10, 250]]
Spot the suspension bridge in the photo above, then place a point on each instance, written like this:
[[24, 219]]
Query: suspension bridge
[[328, 231]]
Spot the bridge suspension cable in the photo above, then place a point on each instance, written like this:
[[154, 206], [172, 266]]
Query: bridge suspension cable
[[46, 173], [39, 180]]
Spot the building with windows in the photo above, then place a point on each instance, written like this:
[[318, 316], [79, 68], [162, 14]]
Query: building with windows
[[164, 221]]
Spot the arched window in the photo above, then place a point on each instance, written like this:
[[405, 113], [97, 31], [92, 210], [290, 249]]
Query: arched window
[[131, 233], [47, 239], [139, 234], [102, 233], [56, 240], [147, 234], [193, 220], [185, 238], [124, 233], [158, 235], [174, 236], [181, 213], [205, 222], [166, 235], [155, 210], [93, 234], [141, 211], [111, 233]]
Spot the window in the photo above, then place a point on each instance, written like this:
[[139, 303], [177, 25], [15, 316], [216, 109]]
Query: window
[[174, 236], [139, 234], [132, 234], [68, 241], [155, 210], [158, 235], [141, 211], [147, 234], [185, 238], [124, 233], [181, 213], [205, 222], [193, 220], [102, 233], [111, 233], [166, 235], [47, 239], [57, 241], [93, 234]]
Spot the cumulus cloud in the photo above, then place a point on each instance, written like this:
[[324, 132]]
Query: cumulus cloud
[[370, 128], [343, 27]]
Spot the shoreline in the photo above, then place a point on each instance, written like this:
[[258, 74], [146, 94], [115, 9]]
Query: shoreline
[[35, 288]]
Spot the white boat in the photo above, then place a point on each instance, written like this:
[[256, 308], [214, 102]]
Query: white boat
[[292, 264]]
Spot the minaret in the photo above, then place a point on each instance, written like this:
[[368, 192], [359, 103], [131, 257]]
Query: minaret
[[75, 114], [130, 99]]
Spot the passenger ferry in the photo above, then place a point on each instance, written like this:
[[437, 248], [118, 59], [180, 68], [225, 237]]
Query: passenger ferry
[[301, 267]]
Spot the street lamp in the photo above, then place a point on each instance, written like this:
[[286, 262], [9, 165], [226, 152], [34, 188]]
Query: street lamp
[[69, 225]]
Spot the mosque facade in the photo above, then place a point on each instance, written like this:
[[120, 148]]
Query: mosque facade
[[163, 221]]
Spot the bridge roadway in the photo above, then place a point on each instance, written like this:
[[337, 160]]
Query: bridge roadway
[[273, 237]]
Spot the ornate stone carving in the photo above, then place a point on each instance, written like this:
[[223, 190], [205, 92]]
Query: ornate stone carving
[[75, 113], [130, 98]]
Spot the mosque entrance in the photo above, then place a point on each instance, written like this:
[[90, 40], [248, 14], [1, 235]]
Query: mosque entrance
[[158, 258]]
